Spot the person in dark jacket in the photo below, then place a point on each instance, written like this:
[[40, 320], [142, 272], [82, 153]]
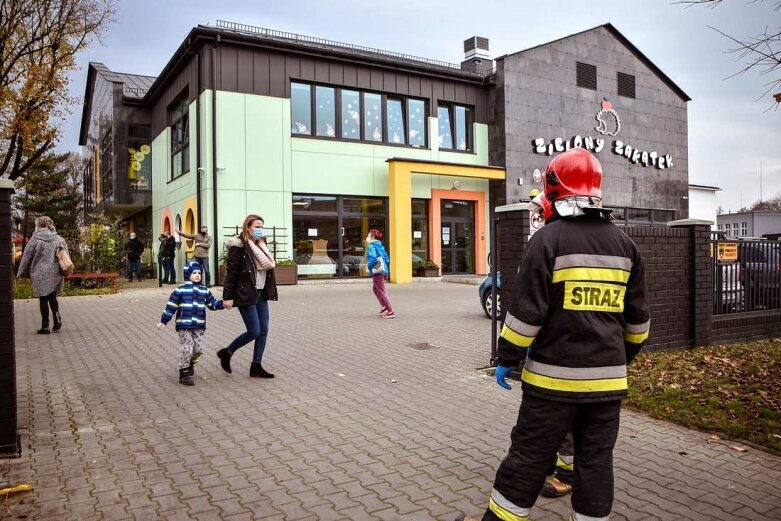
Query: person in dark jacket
[[580, 302], [168, 253], [39, 262], [189, 302], [134, 249], [249, 285]]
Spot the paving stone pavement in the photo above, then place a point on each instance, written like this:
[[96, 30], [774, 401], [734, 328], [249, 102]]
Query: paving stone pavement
[[361, 422]]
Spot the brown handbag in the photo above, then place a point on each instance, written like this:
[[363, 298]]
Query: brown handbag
[[64, 258]]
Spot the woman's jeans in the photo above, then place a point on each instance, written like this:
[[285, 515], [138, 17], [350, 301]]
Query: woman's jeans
[[379, 291], [256, 318], [45, 302]]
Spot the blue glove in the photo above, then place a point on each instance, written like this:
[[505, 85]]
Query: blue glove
[[500, 374]]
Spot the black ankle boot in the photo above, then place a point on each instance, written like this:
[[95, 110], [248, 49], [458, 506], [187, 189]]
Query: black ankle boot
[[225, 359], [254, 370], [262, 373], [185, 378], [44, 328], [193, 361], [57, 321]]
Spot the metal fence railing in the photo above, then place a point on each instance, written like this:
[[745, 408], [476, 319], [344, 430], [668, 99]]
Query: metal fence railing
[[746, 275]]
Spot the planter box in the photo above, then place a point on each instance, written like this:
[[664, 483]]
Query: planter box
[[286, 275], [428, 273]]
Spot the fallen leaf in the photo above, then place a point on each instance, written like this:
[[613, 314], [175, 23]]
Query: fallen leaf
[[683, 453], [739, 449], [777, 436]]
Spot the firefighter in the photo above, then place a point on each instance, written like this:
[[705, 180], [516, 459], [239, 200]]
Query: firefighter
[[580, 302]]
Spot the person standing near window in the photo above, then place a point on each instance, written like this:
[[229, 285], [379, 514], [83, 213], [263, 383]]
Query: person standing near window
[[39, 262], [249, 285], [134, 249], [203, 241], [168, 253], [378, 263]]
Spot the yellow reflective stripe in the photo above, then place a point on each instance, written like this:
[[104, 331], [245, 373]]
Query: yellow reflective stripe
[[563, 464], [504, 515], [516, 338], [635, 338], [574, 386], [596, 274]]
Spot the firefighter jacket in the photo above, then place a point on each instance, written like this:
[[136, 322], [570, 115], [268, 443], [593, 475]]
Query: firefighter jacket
[[580, 302]]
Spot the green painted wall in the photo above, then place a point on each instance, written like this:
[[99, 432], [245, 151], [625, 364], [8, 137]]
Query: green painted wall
[[260, 166]]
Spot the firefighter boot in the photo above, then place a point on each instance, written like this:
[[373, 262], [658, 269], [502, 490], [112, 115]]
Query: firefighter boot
[[555, 487]]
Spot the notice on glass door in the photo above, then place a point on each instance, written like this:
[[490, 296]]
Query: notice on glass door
[[417, 235], [446, 236], [312, 232]]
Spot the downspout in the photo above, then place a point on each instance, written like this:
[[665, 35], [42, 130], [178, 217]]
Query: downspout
[[216, 249], [198, 165]]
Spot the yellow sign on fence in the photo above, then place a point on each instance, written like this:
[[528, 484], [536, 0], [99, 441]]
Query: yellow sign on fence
[[728, 251]]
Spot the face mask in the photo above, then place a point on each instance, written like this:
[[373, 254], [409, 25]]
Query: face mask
[[132, 235], [257, 233]]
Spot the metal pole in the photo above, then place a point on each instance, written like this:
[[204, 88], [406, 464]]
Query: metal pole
[[494, 261]]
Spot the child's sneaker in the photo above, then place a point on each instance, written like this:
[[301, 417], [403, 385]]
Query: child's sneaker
[[388, 314], [185, 378]]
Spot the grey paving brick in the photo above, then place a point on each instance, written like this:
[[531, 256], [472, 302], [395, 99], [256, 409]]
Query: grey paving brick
[[322, 440]]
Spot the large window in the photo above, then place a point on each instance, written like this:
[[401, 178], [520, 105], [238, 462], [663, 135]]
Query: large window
[[106, 166], [455, 125], [329, 233], [139, 160], [325, 111], [301, 107], [332, 112], [351, 114], [420, 251], [179, 118]]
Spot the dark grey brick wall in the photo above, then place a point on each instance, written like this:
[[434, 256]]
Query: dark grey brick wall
[[541, 99]]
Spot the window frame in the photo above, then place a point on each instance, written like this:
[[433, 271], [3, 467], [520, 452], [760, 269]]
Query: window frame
[[183, 148], [384, 97], [468, 124]]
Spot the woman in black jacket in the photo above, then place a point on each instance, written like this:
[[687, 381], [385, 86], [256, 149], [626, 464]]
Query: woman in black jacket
[[249, 285]]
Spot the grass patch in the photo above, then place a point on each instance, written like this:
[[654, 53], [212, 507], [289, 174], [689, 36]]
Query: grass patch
[[23, 289], [734, 390]]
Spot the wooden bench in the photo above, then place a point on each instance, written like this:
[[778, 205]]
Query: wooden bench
[[113, 277]]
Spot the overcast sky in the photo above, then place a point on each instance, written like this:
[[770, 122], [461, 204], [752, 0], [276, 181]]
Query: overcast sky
[[730, 135]]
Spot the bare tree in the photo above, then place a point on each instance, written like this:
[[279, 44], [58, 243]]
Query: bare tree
[[760, 53], [39, 40]]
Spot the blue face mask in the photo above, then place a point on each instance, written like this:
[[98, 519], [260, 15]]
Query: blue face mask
[[257, 233]]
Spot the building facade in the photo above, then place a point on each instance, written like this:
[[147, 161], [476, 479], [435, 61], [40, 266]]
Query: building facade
[[327, 140], [703, 203], [757, 223], [595, 90], [117, 147]]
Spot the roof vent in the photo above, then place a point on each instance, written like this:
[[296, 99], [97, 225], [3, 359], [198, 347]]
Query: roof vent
[[476, 55]]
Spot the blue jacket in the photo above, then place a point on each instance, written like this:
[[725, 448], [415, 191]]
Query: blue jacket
[[189, 302], [376, 249]]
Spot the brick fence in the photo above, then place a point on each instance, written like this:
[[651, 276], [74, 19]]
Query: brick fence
[[9, 441], [679, 277]]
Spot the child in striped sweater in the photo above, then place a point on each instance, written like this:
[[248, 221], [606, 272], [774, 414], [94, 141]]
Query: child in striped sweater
[[189, 302]]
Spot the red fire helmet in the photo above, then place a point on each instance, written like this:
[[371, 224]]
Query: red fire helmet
[[574, 173], [547, 209]]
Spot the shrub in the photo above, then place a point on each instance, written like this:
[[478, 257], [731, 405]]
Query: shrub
[[424, 265]]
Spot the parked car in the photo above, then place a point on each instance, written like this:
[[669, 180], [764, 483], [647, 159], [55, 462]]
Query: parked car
[[728, 291], [485, 295], [760, 274]]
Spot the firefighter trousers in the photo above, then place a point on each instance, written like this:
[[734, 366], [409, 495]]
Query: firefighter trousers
[[541, 427]]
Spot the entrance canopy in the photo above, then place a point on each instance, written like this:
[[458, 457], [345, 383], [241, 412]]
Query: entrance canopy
[[400, 202]]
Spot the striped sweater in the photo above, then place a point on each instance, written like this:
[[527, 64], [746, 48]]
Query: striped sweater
[[189, 302]]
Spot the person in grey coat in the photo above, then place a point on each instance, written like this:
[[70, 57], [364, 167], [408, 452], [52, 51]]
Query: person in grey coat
[[39, 262]]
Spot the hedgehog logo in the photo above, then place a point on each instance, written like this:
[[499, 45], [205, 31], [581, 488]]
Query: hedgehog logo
[[607, 108]]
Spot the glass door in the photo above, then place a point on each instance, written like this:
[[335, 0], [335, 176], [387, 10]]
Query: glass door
[[457, 235]]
